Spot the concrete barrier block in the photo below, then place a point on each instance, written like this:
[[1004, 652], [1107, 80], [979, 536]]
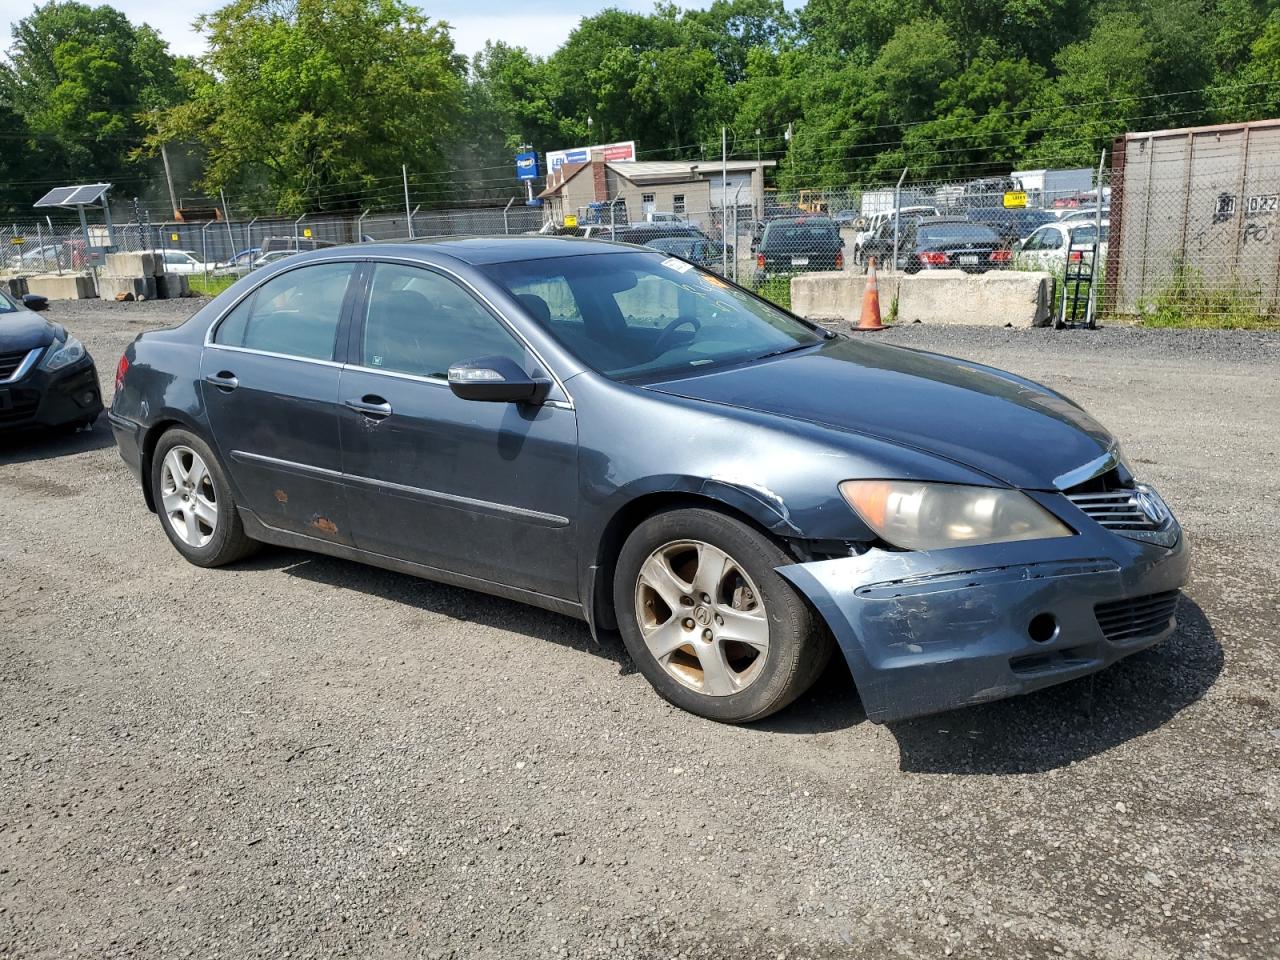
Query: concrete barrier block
[[133, 265], [172, 286], [998, 298], [133, 288], [70, 286], [17, 286]]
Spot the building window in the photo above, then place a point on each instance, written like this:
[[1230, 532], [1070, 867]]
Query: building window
[[646, 198], [677, 203]]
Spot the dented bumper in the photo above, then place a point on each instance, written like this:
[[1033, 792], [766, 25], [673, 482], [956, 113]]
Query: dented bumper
[[927, 632]]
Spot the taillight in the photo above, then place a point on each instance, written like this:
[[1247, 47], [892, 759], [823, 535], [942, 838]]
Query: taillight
[[1001, 256], [760, 260], [935, 258], [839, 259], [121, 369], [1076, 256]]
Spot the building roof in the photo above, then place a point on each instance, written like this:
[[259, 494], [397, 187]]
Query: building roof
[[565, 173], [663, 171]]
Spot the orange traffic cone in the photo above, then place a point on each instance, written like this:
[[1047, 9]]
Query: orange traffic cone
[[870, 319]]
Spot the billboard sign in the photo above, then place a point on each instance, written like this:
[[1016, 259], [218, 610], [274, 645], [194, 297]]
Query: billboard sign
[[613, 153], [526, 166]]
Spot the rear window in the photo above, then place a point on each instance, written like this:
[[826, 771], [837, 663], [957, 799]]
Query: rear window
[[789, 233], [948, 232], [1086, 234]]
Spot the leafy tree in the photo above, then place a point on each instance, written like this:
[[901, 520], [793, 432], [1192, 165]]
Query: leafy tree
[[321, 101], [81, 78]]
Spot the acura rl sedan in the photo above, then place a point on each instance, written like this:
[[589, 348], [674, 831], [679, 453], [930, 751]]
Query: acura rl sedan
[[615, 434], [47, 378]]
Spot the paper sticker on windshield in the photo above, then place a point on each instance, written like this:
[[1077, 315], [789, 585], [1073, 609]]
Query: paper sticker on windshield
[[678, 265]]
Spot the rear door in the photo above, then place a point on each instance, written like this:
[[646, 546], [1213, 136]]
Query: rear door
[[270, 385], [487, 490]]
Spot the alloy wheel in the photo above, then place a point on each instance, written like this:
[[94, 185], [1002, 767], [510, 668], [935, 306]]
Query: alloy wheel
[[188, 495], [702, 618]]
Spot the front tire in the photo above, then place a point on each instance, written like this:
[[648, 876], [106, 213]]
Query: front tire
[[195, 503], [709, 622]]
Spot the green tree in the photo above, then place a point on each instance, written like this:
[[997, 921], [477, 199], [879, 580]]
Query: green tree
[[82, 78], [317, 103]]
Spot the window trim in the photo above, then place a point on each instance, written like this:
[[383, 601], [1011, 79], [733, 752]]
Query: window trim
[[339, 341], [359, 311]]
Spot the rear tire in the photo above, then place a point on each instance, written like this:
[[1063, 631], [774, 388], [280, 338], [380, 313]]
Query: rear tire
[[195, 503], [709, 622]]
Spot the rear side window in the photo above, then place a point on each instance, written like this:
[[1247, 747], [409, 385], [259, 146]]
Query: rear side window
[[295, 313], [420, 322], [802, 234]]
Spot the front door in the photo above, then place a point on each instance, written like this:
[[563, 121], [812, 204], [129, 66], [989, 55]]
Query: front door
[[488, 490], [270, 386]]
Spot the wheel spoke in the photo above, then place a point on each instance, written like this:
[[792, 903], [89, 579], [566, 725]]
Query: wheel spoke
[[746, 626], [197, 473], [665, 639], [193, 527], [712, 563], [717, 675], [174, 462], [205, 511], [172, 500], [658, 575]]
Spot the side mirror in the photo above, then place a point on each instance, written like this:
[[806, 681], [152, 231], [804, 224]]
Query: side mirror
[[497, 380], [33, 301]]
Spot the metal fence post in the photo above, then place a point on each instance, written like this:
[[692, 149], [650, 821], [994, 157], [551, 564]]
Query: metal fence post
[[897, 217], [297, 245], [505, 227]]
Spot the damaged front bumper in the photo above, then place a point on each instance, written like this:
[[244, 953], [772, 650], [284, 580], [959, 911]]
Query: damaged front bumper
[[925, 632]]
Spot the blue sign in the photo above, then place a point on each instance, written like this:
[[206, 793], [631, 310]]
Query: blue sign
[[526, 166]]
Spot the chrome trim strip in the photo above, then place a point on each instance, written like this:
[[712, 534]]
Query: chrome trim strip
[[276, 356], [461, 503], [25, 366], [400, 489], [1087, 471], [288, 466]]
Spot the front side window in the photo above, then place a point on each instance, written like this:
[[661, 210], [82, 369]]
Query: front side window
[[421, 323], [294, 313], [643, 316]]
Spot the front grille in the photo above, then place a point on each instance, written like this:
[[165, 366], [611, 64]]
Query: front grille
[[22, 406], [1123, 620], [9, 362], [1115, 510]]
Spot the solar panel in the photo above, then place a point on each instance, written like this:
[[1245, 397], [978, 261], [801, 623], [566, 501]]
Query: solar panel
[[74, 196]]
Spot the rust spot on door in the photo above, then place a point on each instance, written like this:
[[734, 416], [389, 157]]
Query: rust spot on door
[[281, 496], [324, 524]]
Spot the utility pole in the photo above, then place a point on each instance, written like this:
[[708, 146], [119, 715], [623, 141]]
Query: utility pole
[[724, 199], [404, 172], [168, 176]]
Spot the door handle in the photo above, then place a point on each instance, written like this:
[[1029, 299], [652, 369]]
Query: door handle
[[371, 405], [224, 380]]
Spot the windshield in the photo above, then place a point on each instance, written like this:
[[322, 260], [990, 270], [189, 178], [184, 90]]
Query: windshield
[[636, 316], [7, 305], [950, 232], [1087, 234]]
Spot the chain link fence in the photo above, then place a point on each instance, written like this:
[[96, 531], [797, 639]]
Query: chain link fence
[[1182, 229]]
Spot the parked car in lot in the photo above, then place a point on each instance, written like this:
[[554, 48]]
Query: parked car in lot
[[1089, 215], [1010, 225], [798, 245], [1047, 248], [181, 261], [626, 438], [699, 250], [879, 226], [47, 378], [943, 243], [241, 262]]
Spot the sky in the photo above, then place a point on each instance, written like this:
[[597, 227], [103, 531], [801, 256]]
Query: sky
[[519, 22]]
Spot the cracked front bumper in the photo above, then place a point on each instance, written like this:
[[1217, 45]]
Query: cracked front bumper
[[925, 632]]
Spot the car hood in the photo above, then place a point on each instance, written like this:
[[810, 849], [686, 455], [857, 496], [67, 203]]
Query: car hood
[[1011, 429], [24, 330]]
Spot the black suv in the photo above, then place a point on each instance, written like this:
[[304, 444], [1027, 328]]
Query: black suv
[[798, 245]]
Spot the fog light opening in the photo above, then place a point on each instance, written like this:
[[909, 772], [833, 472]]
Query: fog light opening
[[1043, 627]]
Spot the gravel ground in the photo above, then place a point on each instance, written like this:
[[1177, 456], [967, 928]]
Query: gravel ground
[[306, 757]]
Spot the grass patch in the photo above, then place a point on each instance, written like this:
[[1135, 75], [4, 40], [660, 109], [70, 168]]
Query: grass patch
[[210, 286], [1188, 300], [776, 290]]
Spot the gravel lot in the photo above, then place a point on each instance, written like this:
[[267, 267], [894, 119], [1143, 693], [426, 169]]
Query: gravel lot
[[306, 757]]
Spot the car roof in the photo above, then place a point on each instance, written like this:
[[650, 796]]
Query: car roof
[[476, 251]]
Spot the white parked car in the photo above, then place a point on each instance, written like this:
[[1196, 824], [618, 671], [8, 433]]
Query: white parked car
[[1046, 247], [182, 261]]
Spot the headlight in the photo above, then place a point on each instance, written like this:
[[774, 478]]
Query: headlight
[[62, 353], [934, 516]]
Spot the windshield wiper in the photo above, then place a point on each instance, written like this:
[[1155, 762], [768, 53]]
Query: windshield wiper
[[791, 349]]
